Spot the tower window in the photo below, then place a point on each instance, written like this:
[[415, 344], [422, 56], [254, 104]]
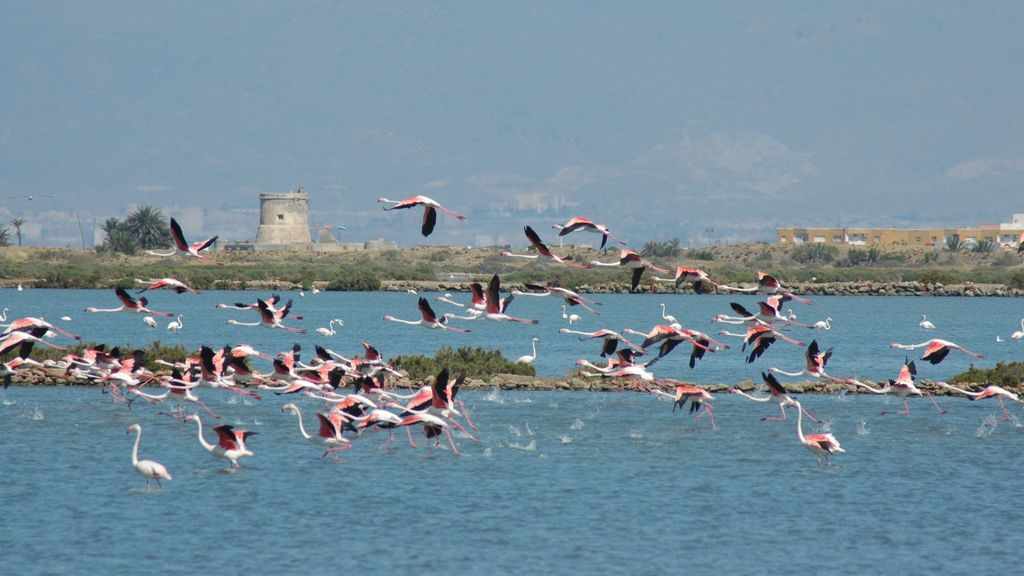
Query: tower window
[[280, 217]]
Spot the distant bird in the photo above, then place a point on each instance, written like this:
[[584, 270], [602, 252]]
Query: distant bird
[[181, 247], [822, 325], [529, 358], [329, 331], [149, 321], [173, 284], [28, 197], [177, 324], [926, 323], [571, 298], [668, 317], [430, 208], [148, 469], [585, 225], [1018, 334], [572, 318]]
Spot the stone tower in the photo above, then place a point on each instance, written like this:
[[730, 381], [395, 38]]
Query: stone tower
[[284, 218]]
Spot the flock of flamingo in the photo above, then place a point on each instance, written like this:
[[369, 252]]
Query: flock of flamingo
[[372, 401]]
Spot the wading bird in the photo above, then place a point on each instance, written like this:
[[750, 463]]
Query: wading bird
[[148, 469], [820, 444], [529, 358], [778, 394]]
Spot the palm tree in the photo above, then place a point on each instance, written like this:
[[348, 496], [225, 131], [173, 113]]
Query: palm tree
[[148, 227], [5, 236], [17, 223], [119, 238]]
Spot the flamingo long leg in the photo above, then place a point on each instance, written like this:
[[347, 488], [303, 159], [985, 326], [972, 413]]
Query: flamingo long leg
[[465, 413], [773, 418], [411, 442], [1006, 413], [906, 409], [936, 404], [452, 442]]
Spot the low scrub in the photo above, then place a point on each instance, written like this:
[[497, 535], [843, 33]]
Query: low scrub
[[473, 362], [1006, 374]]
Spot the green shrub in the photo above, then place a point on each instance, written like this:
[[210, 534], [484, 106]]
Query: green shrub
[[932, 276], [1005, 374], [473, 362], [1017, 280], [814, 253]]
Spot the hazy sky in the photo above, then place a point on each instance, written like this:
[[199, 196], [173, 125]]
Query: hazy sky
[[660, 119]]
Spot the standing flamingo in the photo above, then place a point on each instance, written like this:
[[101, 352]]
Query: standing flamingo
[[329, 331], [572, 318], [936, 350], [668, 317], [428, 320], [177, 324], [529, 358], [822, 325], [430, 208], [148, 469], [181, 247], [778, 394], [819, 444], [583, 224], [925, 323], [1018, 334]]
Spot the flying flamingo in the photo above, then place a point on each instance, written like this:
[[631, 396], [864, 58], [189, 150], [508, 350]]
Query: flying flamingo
[[529, 358], [181, 247], [148, 469], [24, 341], [230, 445], [496, 307], [925, 323], [903, 386], [428, 320], [936, 350], [542, 250], [328, 436], [990, 391], [177, 389], [571, 298], [631, 259], [768, 284], [585, 225], [177, 324], [699, 277], [778, 394], [177, 286], [819, 444], [270, 318], [329, 331], [759, 338], [129, 304], [670, 337], [697, 396], [430, 208], [816, 361], [611, 339]]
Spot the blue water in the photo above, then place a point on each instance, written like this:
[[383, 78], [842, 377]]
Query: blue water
[[567, 483]]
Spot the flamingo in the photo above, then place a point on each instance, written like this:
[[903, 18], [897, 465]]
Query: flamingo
[[542, 250], [270, 319], [24, 341], [925, 323], [30, 324], [529, 358], [177, 324], [329, 331], [428, 320], [670, 337], [990, 391], [571, 298], [148, 469], [179, 390], [181, 247], [903, 385], [329, 434], [819, 444], [230, 445], [816, 361], [697, 396], [173, 284], [631, 259], [1019, 334], [936, 350], [585, 225], [822, 325], [496, 307], [129, 304], [699, 277], [149, 321], [572, 318], [778, 394], [668, 317], [759, 338], [611, 339], [430, 208], [433, 426], [3, 316]]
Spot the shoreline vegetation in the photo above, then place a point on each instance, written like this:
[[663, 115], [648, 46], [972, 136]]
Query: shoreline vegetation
[[490, 370], [807, 269]]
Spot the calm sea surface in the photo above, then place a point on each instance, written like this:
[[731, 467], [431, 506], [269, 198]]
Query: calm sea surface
[[569, 483]]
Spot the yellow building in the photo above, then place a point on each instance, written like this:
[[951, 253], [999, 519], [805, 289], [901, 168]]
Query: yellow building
[[1008, 234]]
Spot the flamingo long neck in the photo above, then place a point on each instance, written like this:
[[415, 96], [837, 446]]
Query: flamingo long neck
[[240, 323], [302, 428], [199, 432], [799, 423], [400, 321], [118, 309], [960, 390], [754, 398], [3, 316], [828, 323], [153, 253], [135, 449], [534, 342], [800, 373]]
